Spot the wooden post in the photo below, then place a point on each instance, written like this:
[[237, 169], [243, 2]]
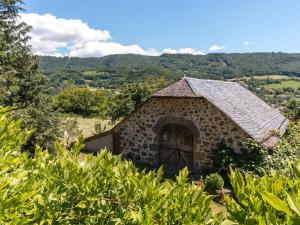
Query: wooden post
[[116, 143]]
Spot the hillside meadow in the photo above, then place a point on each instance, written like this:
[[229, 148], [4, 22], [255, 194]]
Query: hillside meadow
[[295, 84], [87, 125]]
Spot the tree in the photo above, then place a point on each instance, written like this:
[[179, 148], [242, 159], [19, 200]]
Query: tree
[[22, 87], [294, 107], [81, 101], [132, 96]]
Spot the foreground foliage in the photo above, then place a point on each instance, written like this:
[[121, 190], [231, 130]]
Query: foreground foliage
[[265, 200], [61, 189]]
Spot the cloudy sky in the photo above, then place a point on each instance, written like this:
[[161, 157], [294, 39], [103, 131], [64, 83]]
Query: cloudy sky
[[98, 28]]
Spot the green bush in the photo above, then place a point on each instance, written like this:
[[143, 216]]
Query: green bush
[[258, 159], [67, 188], [265, 200], [214, 182]]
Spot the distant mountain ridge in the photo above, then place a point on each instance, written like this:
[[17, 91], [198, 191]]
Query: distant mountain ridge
[[113, 71], [233, 64]]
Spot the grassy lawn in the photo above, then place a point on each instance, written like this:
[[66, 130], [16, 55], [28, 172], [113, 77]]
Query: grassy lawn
[[87, 125], [284, 84]]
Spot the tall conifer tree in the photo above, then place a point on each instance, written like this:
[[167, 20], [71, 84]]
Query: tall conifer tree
[[22, 87]]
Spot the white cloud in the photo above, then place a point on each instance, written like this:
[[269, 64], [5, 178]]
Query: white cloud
[[49, 33], [72, 37], [91, 49], [183, 51], [190, 51], [216, 48], [169, 51], [246, 43]]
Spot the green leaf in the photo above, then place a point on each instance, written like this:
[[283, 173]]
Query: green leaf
[[293, 203], [228, 222], [296, 170], [81, 205], [276, 203]]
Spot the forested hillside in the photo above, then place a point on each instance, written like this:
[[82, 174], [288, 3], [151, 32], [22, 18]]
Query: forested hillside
[[235, 64], [114, 70]]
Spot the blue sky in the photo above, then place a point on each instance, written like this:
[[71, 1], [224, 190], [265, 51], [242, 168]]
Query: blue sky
[[152, 26]]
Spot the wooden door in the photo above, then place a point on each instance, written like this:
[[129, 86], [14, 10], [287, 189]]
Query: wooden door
[[176, 147]]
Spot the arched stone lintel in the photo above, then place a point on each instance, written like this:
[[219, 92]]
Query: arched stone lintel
[[172, 120], [176, 120]]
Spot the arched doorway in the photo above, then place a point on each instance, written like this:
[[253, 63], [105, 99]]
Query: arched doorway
[[176, 147]]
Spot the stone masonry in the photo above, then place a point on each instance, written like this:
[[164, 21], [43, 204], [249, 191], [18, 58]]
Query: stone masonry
[[140, 132]]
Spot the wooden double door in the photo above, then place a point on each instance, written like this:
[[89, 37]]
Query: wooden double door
[[176, 147]]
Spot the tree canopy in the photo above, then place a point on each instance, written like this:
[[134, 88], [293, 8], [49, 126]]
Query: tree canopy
[[132, 96], [22, 86], [81, 101]]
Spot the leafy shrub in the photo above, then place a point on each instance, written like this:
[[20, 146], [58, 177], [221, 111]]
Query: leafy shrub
[[265, 200], [251, 159], [12, 137], [256, 158], [71, 131], [214, 182], [66, 188]]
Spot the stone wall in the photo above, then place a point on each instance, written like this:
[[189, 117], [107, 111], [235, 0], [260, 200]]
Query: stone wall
[[139, 133], [98, 142]]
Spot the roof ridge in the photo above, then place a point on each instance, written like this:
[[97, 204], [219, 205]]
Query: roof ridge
[[178, 88], [173, 82], [221, 81], [186, 80]]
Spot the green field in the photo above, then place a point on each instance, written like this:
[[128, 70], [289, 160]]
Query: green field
[[92, 73], [273, 77], [283, 84], [264, 77]]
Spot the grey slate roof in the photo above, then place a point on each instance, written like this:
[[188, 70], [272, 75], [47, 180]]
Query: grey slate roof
[[179, 88], [248, 111]]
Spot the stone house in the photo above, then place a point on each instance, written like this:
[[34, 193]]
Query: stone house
[[184, 122]]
